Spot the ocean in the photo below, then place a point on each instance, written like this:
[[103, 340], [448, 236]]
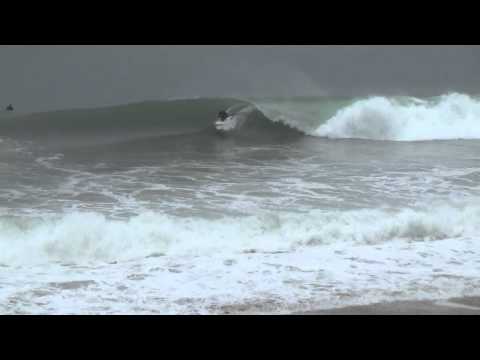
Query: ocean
[[308, 203]]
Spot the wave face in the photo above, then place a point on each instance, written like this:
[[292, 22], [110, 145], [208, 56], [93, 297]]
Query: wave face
[[452, 116], [148, 120], [80, 236]]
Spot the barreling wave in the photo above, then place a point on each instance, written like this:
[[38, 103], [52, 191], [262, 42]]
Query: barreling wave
[[79, 237], [147, 120], [447, 117], [451, 116]]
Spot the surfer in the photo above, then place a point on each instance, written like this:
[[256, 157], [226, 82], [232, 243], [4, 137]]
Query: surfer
[[222, 116], [225, 121], [9, 108]]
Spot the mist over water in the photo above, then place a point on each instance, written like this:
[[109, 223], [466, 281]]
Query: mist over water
[[45, 78]]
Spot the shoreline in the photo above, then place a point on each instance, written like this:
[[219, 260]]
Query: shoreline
[[468, 305]]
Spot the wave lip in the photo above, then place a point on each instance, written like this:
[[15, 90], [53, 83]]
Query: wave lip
[[449, 117], [87, 237]]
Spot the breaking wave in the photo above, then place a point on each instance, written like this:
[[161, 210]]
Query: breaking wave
[[451, 116], [90, 237]]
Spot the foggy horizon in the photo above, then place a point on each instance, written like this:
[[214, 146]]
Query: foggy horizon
[[41, 77]]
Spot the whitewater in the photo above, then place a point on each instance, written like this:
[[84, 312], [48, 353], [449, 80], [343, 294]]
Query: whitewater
[[308, 203]]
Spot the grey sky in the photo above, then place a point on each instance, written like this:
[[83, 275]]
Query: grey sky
[[58, 77]]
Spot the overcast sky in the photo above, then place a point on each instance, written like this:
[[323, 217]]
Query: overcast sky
[[56, 77]]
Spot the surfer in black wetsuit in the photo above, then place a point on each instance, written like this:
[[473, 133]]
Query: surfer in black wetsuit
[[222, 115], [9, 108]]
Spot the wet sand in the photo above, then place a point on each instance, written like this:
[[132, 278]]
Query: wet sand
[[456, 306]]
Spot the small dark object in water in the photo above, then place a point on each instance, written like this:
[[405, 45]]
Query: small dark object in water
[[9, 108], [222, 115]]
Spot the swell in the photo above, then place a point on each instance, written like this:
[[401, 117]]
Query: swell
[[110, 123], [134, 123], [451, 116]]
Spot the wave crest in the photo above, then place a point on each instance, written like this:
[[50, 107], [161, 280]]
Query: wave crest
[[449, 117], [452, 116], [81, 237]]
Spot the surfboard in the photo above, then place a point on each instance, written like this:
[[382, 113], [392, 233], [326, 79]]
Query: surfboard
[[227, 125]]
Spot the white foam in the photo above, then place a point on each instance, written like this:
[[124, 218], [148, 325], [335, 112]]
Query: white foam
[[453, 116], [87, 237], [305, 279]]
